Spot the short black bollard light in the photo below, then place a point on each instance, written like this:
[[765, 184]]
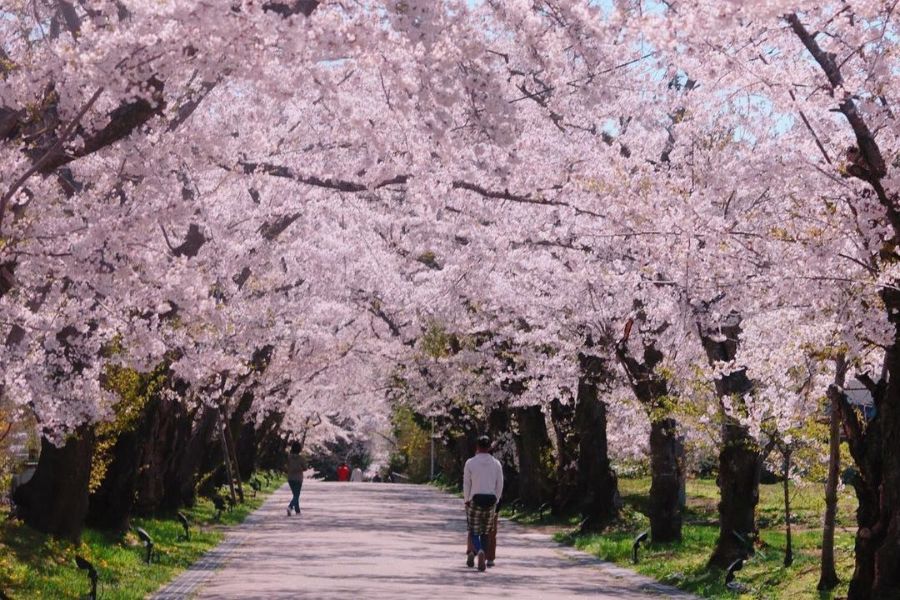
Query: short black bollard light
[[732, 569], [637, 544], [230, 502], [220, 506], [185, 524], [541, 510], [148, 542], [254, 483], [86, 565]]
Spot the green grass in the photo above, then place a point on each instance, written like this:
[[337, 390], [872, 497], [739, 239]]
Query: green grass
[[532, 517], [763, 576], [34, 565]]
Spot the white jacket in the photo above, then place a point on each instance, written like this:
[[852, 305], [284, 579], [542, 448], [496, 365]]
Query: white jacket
[[483, 474]]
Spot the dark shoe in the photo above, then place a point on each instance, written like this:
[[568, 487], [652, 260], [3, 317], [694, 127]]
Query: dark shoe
[[489, 564], [481, 564], [289, 511], [470, 559]]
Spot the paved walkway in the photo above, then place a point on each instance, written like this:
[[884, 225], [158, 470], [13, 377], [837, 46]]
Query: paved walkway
[[380, 541]]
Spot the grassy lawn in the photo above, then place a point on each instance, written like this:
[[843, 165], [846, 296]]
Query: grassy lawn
[[763, 576], [33, 565]]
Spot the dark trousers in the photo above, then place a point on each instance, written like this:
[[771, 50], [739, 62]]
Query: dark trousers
[[296, 486]]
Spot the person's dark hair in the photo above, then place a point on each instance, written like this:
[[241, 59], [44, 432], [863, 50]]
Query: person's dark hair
[[484, 443], [296, 447]]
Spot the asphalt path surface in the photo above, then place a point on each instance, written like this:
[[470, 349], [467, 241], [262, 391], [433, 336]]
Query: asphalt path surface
[[380, 541]]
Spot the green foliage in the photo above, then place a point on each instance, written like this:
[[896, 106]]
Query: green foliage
[[764, 576], [33, 565], [429, 259], [14, 422], [412, 453], [663, 408], [451, 486], [134, 390], [435, 342]]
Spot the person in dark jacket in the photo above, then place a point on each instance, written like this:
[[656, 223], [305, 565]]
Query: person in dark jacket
[[295, 467]]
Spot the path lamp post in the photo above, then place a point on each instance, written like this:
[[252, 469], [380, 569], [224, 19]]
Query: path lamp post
[[432, 448], [637, 544], [543, 508], [737, 565], [185, 524], [148, 543], [732, 569], [91, 573]]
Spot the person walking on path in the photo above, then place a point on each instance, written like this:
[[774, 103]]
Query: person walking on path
[[295, 467], [356, 475], [482, 488], [343, 472]]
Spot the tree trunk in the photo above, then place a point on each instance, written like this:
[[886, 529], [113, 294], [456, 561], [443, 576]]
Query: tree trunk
[[55, 500], [112, 503], [168, 429], [738, 482], [596, 479], [533, 448], [270, 451], [226, 456], [667, 476], [566, 496], [666, 452], [739, 459], [246, 438], [498, 429], [184, 469], [786, 478], [874, 447], [828, 578], [885, 540], [230, 449], [245, 450]]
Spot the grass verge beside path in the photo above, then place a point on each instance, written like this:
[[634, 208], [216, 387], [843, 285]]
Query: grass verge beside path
[[683, 565], [34, 565]]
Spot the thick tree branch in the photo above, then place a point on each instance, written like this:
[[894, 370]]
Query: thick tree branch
[[340, 185], [187, 107], [513, 197], [42, 164], [874, 169], [287, 8]]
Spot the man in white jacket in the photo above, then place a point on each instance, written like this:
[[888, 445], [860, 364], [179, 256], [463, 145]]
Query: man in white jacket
[[482, 488]]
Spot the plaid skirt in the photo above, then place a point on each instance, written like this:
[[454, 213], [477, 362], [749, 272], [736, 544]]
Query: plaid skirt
[[481, 520]]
